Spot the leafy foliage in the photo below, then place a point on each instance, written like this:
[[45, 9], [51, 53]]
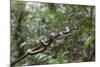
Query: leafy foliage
[[31, 21]]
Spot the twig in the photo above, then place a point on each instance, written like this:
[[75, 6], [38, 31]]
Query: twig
[[20, 58]]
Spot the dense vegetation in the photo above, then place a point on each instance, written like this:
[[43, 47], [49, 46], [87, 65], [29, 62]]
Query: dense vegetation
[[32, 21]]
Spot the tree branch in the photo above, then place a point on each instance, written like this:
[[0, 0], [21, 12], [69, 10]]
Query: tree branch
[[41, 48]]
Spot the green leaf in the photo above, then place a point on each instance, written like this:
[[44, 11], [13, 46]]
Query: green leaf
[[88, 24], [60, 59], [88, 42]]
